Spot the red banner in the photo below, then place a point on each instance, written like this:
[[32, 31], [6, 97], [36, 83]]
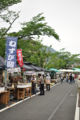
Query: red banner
[[19, 57]]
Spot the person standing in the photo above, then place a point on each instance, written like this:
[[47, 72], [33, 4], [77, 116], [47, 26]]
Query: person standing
[[42, 85], [67, 77], [71, 78], [62, 78], [33, 80], [48, 83]]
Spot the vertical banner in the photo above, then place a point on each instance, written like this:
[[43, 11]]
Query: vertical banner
[[19, 57], [11, 46]]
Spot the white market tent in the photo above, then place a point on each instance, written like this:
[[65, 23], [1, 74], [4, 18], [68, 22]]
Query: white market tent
[[76, 69], [30, 73], [66, 70], [12, 70], [69, 70]]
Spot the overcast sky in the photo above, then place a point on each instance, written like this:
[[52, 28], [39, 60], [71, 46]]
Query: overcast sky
[[61, 15]]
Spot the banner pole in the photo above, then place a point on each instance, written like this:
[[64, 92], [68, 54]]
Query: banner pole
[[5, 73], [10, 55], [5, 79]]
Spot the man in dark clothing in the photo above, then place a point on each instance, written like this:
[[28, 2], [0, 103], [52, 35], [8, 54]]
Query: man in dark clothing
[[33, 84], [71, 78], [41, 85]]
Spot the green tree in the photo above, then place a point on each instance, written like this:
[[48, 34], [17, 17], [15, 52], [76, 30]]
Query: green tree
[[4, 4], [37, 27], [34, 51], [63, 59], [29, 39], [8, 17]]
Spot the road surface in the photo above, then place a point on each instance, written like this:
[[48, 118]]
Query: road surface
[[57, 104]]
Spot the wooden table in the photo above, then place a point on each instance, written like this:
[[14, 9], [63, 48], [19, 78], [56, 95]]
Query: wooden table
[[23, 90], [4, 97], [28, 91], [20, 94], [11, 91]]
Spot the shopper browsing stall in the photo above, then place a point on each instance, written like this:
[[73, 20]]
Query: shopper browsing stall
[[48, 83], [33, 80], [42, 85]]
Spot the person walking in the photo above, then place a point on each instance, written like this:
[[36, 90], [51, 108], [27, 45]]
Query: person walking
[[73, 76], [67, 77], [62, 78]]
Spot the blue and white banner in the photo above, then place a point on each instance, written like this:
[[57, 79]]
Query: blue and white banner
[[11, 46]]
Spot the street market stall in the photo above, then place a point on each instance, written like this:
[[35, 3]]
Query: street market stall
[[23, 90], [4, 94], [14, 77]]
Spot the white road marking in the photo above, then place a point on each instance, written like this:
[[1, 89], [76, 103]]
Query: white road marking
[[77, 109], [58, 106]]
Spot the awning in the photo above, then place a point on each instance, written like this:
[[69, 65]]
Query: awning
[[76, 69], [30, 73], [35, 68], [31, 66], [53, 69], [66, 70], [28, 67]]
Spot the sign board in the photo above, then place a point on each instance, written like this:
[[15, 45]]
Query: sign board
[[19, 57], [12, 70], [11, 46], [29, 73]]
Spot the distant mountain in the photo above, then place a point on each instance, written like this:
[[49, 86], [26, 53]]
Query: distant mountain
[[50, 49]]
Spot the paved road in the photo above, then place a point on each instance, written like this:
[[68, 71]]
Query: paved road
[[57, 104]]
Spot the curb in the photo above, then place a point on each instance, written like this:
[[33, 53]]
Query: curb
[[77, 109], [12, 105]]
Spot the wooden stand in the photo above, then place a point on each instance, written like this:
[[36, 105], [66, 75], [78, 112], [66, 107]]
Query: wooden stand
[[11, 91], [23, 90], [4, 97], [28, 91], [20, 93]]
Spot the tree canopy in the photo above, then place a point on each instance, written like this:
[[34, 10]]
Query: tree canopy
[[36, 28], [6, 3], [63, 59]]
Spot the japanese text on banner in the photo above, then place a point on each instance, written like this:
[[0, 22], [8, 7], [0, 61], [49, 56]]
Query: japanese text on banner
[[19, 57], [11, 46]]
